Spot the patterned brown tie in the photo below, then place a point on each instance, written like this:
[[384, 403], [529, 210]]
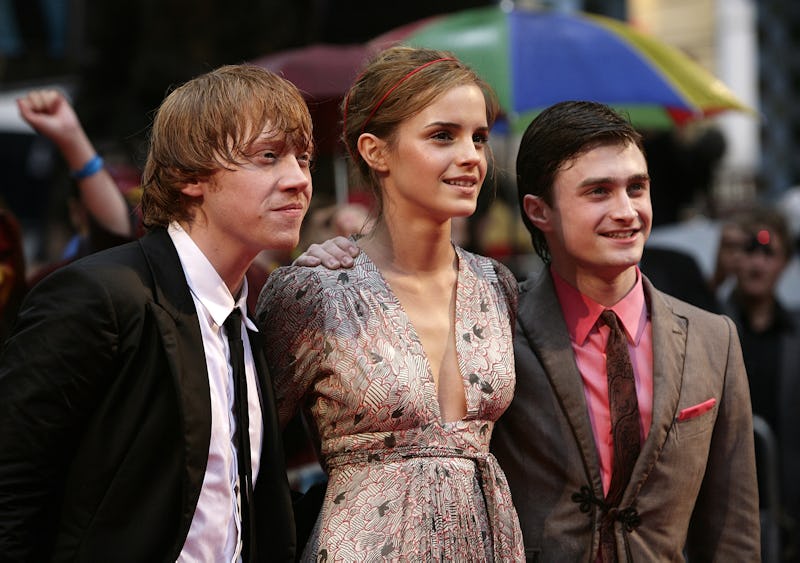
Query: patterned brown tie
[[624, 409]]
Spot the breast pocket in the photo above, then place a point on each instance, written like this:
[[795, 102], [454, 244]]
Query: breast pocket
[[694, 420]]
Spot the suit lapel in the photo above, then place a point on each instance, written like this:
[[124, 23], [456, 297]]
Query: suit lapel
[[266, 396], [176, 317], [273, 503], [542, 322], [669, 354], [262, 372]]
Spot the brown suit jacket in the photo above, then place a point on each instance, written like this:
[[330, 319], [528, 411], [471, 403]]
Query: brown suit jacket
[[694, 485]]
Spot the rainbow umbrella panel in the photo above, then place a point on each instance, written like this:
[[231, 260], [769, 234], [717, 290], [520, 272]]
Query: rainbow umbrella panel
[[536, 58]]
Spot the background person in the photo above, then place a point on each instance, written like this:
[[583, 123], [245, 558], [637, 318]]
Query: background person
[[770, 336], [50, 114], [732, 240], [99, 212]]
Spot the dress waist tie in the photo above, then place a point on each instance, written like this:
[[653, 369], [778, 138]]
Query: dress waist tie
[[505, 530]]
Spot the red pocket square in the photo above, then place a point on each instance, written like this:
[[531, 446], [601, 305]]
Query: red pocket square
[[697, 410]]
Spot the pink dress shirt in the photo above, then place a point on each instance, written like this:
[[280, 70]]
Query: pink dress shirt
[[589, 342]]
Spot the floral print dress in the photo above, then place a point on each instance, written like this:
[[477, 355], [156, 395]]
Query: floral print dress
[[403, 485]]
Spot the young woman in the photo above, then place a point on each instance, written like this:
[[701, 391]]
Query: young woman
[[404, 362]]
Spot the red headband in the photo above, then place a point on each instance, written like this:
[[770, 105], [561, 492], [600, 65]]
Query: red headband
[[392, 89]]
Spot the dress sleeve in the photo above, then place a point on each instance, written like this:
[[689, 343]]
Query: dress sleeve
[[290, 313]]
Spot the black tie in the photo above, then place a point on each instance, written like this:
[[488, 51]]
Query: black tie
[[624, 409], [233, 328]]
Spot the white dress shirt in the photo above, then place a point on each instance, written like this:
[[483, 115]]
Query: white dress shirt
[[214, 534]]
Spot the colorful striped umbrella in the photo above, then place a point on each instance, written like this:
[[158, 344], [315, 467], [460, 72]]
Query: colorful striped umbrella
[[536, 58]]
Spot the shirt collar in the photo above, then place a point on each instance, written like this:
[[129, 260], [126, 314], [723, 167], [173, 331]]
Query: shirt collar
[[581, 312], [204, 281]]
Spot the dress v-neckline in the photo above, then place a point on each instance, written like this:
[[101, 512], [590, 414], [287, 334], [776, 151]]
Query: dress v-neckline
[[370, 265]]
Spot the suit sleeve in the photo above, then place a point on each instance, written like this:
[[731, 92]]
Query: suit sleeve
[[725, 523], [53, 370]]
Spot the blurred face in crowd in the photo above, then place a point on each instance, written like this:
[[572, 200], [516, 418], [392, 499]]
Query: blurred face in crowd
[[731, 248], [762, 261]]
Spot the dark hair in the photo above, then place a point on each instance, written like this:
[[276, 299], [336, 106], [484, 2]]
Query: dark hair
[[556, 136]]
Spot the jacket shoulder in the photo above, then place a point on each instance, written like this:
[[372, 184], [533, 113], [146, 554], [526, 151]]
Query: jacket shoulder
[[684, 309]]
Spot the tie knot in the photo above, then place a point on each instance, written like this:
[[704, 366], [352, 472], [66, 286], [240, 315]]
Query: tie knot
[[233, 324], [610, 318]]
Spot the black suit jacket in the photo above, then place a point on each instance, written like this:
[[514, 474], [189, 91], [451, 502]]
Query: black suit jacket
[[105, 416]]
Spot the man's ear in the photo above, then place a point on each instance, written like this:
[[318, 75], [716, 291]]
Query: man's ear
[[372, 150], [537, 211], [193, 188]]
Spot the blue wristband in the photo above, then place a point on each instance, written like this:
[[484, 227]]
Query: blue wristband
[[90, 168]]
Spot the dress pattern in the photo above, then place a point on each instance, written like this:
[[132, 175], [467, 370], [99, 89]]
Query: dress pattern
[[403, 484]]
